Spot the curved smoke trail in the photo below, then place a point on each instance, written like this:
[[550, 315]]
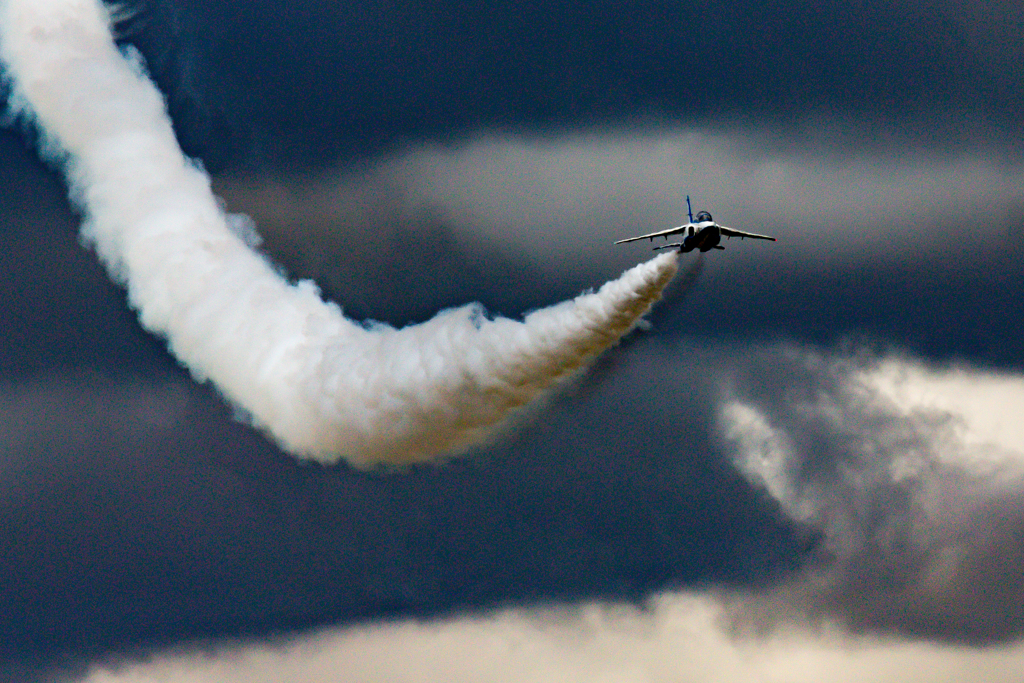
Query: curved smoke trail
[[323, 386]]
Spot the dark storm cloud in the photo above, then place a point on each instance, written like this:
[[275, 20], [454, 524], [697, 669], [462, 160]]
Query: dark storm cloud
[[135, 512], [331, 80]]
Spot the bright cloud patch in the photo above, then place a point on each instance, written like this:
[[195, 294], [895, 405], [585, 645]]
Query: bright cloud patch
[[678, 638]]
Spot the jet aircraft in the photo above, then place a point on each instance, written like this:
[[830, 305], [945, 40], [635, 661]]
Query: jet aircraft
[[703, 233]]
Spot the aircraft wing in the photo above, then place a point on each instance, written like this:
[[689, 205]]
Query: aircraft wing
[[729, 232], [651, 236]]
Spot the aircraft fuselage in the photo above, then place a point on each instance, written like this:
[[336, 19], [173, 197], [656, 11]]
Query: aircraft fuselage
[[704, 238]]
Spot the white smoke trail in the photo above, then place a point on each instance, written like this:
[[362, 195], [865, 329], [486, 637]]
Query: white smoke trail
[[325, 387]]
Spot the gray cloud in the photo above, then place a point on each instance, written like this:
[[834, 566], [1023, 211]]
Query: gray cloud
[[920, 502], [559, 201]]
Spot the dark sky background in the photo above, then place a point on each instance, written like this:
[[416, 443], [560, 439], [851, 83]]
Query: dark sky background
[[332, 81], [135, 512]]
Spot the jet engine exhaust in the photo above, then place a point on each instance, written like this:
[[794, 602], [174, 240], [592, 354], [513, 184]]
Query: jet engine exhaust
[[323, 386]]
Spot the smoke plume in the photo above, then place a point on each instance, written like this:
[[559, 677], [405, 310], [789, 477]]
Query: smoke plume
[[324, 386]]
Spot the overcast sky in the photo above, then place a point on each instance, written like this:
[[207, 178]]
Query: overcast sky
[[812, 451]]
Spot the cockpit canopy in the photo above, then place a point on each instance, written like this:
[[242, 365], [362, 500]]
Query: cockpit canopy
[[703, 216]]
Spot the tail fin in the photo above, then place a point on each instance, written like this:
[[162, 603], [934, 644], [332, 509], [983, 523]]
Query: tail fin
[[689, 211]]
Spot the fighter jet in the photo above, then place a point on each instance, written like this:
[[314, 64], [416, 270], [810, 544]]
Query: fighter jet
[[703, 233]]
